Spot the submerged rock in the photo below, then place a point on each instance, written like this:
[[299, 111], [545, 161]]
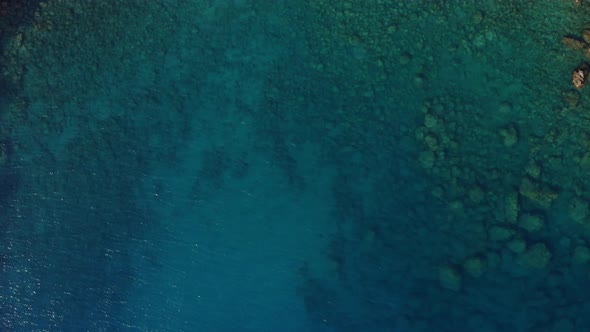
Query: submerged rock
[[511, 207], [536, 193], [536, 256], [500, 233], [531, 223], [509, 136], [581, 255], [476, 195], [571, 98], [578, 210], [449, 278], [505, 107], [474, 266], [533, 169], [517, 246], [573, 42]]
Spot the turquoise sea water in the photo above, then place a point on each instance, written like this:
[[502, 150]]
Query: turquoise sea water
[[318, 165]]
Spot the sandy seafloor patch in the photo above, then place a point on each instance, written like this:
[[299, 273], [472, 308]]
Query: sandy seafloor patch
[[191, 165]]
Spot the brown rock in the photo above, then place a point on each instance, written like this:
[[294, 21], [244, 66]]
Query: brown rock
[[580, 75], [586, 35], [573, 43]]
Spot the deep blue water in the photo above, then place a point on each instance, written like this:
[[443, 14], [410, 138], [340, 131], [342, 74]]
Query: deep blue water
[[322, 166]]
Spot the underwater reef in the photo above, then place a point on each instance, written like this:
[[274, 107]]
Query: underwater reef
[[310, 165]]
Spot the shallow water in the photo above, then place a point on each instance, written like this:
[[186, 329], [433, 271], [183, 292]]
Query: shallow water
[[190, 165]]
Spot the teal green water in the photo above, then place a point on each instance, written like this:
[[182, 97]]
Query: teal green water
[[192, 165]]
